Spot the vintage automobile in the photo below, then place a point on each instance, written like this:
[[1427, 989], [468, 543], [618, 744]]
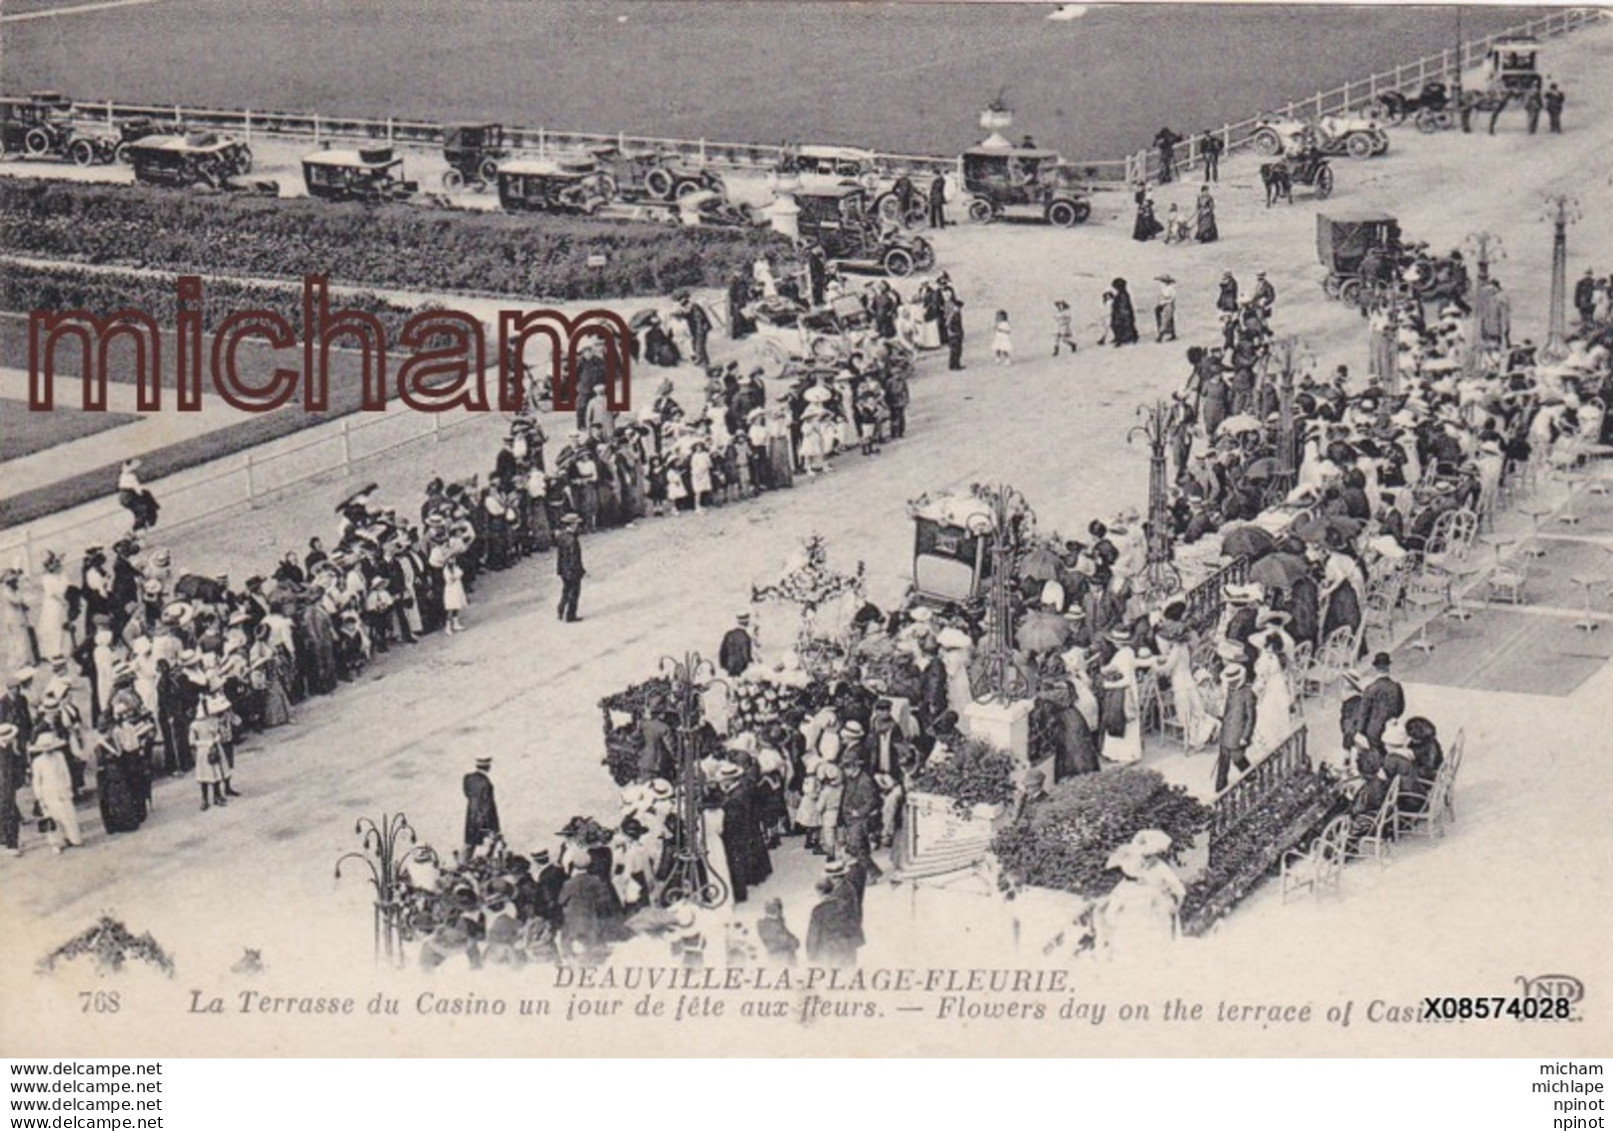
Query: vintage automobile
[[1020, 182], [1359, 137], [195, 158], [838, 218], [824, 166], [1359, 249], [1512, 65], [133, 129], [370, 173], [473, 151], [1431, 108], [652, 175], [39, 125], [575, 185]]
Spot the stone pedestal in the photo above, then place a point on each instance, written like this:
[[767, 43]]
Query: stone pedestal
[[1007, 726], [784, 215]]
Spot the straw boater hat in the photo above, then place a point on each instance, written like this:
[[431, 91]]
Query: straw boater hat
[[835, 868], [8, 734], [1234, 675], [727, 771], [661, 788], [483, 765], [852, 729], [46, 741], [571, 520]]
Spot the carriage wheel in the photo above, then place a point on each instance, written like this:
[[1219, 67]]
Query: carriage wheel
[[82, 152], [825, 349], [1359, 146], [660, 184], [1324, 183], [1350, 291], [36, 143], [889, 207], [981, 211], [1330, 285], [453, 180]]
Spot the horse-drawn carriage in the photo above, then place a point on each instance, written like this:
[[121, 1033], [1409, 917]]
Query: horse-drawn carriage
[[1309, 167], [1431, 108], [1512, 65], [951, 560]]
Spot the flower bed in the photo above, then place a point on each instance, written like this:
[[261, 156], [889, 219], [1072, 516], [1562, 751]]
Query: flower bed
[[1066, 840], [975, 774], [111, 945], [1241, 861], [395, 247]]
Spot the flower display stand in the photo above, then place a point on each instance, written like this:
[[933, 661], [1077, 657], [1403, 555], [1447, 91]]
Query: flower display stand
[[1007, 726]]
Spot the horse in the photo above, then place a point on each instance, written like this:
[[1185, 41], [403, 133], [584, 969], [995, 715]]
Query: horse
[[1279, 182]]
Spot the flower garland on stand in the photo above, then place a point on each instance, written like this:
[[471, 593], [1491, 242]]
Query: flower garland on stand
[[111, 944], [809, 583]]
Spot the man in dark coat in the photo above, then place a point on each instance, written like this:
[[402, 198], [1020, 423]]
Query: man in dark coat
[[779, 944], [1381, 700], [737, 650], [698, 320], [13, 771], [1554, 108], [1166, 141], [817, 264], [656, 758], [568, 565], [860, 805], [953, 321], [1237, 724], [938, 201], [481, 809], [885, 750], [1585, 296], [748, 861], [835, 930], [1212, 147], [932, 697]]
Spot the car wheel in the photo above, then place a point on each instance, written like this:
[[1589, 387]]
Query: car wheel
[[1330, 285], [981, 211], [243, 161], [923, 255], [1266, 143], [1324, 183], [36, 143], [488, 169], [1359, 146], [82, 152], [898, 262], [686, 188], [773, 360], [453, 180], [660, 184], [120, 154], [1350, 291], [1061, 214]]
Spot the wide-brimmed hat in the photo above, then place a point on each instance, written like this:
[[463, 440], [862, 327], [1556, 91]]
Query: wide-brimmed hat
[[852, 729], [8, 733], [571, 520]]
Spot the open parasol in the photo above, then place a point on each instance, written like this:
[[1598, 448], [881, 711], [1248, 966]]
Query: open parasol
[[818, 394], [1262, 469], [359, 497], [1278, 570], [642, 319], [1042, 631], [1238, 424], [1247, 542], [1041, 564]]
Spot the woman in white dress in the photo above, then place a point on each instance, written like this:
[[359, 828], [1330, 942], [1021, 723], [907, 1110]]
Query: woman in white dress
[[16, 646], [957, 652], [1121, 676], [1274, 699], [54, 632], [53, 788], [1139, 916], [1176, 669]]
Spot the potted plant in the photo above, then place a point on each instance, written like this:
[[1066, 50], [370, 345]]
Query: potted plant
[[997, 115]]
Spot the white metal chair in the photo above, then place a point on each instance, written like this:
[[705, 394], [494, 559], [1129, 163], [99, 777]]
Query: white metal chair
[[1379, 836], [1319, 866]]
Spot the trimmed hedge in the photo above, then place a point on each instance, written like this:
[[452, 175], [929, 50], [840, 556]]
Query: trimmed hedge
[[393, 246]]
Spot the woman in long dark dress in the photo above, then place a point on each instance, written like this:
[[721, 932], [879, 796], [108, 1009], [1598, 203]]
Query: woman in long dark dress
[[1074, 745], [1204, 217], [1122, 315], [739, 288], [122, 808], [748, 860], [1147, 225]]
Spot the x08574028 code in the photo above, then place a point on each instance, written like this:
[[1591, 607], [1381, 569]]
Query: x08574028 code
[[1496, 1008]]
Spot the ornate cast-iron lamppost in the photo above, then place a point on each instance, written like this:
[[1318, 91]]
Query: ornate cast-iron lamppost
[[1289, 353], [1561, 209], [1004, 681], [692, 877], [380, 854], [1160, 575], [1487, 248]]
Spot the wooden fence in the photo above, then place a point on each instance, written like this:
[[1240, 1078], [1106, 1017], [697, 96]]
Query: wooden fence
[[742, 155]]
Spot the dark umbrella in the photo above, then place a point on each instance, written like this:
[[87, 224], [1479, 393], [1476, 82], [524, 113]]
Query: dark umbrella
[[1278, 570], [1262, 469], [1042, 631], [1247, 542], [357, 496], [642, 319], [1041, 564]]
